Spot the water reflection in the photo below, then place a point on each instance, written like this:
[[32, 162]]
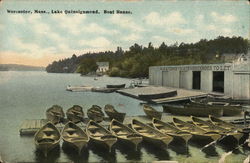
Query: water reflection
[[180, 148], [210, 151], [129, 151], [159, 153], [73, 154], [52, 156], [104, 154]]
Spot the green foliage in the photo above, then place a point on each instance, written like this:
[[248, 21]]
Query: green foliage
[[136, 61], [87, 65]]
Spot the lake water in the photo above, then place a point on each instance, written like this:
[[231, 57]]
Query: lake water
[[27, 95]]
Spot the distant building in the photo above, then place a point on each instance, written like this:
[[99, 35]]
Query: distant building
[[102, 67], [230, 58], [230, 79]]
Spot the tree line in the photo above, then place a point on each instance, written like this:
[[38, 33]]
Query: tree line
[[137, 59]]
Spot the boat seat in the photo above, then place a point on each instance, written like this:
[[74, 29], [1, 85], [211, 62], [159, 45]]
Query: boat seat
[[121, 133], [116, 127], [70, 130], [98, 134], [158, 125], [143, 131]]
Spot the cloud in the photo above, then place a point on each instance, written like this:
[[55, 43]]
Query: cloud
[[17, 19], [99, 42], [31, 49], [174, 18], [126, 22], [228, 18], [132, 37], [95, 28], [211, 27], [180, 31], [72, 24]]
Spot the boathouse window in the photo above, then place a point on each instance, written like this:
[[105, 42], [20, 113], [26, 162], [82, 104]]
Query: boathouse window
[[218, 81], [196, 80]]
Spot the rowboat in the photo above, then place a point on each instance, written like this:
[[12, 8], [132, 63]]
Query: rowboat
[[124, 133], [99, 135], [74, 136], [103, 89], [188, 110], [209, 126], [114, 114], [95, 113], [171, 130], [151, 112], [150, 134], [149, 97], [55, 114], [224, 124], [197, 132], [75, 114], [79, 88], [228, 109], [47, 138], [116, 86]]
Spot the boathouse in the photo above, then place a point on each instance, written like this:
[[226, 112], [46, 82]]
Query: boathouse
[[230, 79]]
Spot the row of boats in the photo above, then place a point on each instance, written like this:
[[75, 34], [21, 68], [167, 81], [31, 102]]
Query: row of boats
[[158, 133], [55, 114]]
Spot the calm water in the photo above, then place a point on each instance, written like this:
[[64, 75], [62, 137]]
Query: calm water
[[27, 95]]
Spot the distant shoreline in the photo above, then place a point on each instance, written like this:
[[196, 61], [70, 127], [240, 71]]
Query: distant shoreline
[[17, 67]]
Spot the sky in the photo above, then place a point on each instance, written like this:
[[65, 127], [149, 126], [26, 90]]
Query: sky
[[39, 39]]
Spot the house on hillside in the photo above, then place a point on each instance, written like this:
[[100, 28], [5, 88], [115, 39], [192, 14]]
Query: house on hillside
[[102, 67], [230, 58]]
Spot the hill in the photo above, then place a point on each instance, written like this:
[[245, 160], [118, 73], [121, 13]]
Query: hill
[[17, 67]]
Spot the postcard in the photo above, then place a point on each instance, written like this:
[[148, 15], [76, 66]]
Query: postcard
[[111, 81]]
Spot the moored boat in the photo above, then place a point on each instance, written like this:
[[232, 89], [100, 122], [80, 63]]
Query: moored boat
[[224, 124], [124, 133], [99, 135], [55, 114], [95, 113], [116, 86], [74, 136], [149, 97], [47, 138], [79, 88], [188, 110], [150, 134], [209, 126], [228, 109], [75, 114], [151, 112], [171, 130], [114, 114], [197, 132]]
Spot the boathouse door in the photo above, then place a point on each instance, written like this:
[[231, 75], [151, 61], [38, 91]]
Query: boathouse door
[[218, 81], [196, 80]]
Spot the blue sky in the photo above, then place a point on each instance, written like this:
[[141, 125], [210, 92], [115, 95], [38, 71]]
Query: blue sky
[[38, 39]]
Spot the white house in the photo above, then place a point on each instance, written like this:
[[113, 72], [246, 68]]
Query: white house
[[102, 67]]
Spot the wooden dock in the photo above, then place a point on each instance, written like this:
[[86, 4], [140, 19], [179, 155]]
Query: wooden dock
[[182, 94]]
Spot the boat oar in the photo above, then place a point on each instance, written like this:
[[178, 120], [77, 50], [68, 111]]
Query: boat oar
[[214, 142], [223, 157]]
